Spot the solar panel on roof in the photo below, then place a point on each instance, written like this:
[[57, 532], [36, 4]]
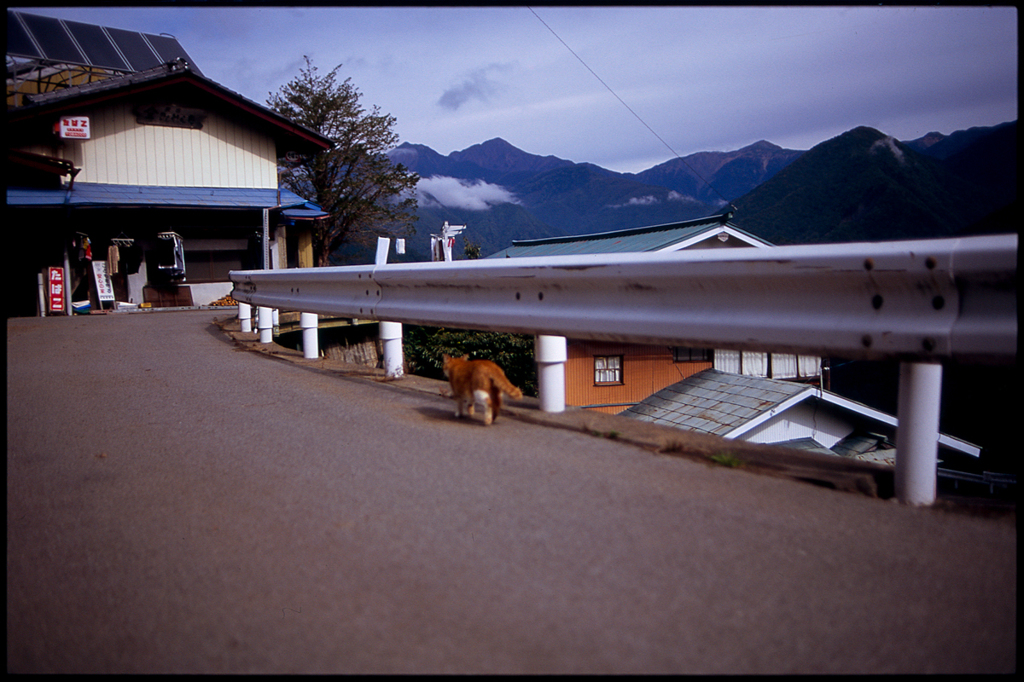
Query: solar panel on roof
[[18, 40], [170, 49], [38, 37], [54, 41], [99, 51], [135, 48]]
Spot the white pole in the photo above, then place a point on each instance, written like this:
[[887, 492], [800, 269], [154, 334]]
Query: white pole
[[917, 432], [42, 295], [310, 339], [391, 339], [265, 323], [390, 332], [245, 316], [550, 354]]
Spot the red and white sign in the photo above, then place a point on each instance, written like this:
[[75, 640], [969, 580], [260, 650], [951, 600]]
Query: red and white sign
[[56, 289], [73, 128]]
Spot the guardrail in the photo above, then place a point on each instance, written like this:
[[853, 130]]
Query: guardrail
[[921, 302]]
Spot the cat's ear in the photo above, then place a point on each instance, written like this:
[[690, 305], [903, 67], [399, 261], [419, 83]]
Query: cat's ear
[[445, 357]]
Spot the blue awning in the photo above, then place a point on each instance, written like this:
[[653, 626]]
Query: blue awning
[[308, 211], [90, 194]]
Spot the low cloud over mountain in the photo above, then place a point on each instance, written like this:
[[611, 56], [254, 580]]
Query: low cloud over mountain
[[651, 200], [472, 195]]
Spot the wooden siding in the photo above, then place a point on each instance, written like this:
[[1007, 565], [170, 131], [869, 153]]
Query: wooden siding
[[645, 370], [123, 152]]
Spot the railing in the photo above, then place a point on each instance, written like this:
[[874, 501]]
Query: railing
[[921, 302]]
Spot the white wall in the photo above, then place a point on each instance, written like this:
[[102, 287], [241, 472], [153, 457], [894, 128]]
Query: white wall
[[124, 152], [808, 419]]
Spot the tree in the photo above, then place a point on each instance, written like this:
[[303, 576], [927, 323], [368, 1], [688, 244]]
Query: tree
[[354, 181], [471, 249]]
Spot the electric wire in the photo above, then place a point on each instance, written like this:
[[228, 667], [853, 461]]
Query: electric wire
[[630, 109]]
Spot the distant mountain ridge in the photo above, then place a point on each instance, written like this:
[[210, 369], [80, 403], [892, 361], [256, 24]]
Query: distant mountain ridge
[[864, 185], [841, 190]]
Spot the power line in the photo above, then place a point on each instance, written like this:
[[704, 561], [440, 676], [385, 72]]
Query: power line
[[667, 146]]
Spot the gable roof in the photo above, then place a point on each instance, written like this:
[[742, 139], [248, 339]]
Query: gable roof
[[730, 405], [717, 402], [667, 237], [175, 79]]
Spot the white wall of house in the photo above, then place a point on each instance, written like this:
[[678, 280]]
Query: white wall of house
[[808, 419], [122, 151]]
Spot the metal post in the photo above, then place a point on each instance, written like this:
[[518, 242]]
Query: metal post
[[917, 432], [310, 339], [265, 323], [391, 339], [550, 353], [390, 332], [245, 317], [42, 295]]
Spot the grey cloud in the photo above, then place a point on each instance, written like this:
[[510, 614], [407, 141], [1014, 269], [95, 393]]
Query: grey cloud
[[478, 85]]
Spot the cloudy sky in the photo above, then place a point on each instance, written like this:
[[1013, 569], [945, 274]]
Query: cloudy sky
[[625, 88]]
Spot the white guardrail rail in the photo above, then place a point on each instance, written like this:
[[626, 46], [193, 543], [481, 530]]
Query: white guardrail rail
[[928, 300]]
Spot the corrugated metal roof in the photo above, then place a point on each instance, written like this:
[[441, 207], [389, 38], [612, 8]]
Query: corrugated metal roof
[[714, 402], [633, 240], [85, 194]]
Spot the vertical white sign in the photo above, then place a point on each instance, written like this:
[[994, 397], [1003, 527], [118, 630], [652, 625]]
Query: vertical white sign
[[104, 287]]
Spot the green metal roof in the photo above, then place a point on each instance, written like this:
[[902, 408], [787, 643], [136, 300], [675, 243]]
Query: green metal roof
[[633, 240]]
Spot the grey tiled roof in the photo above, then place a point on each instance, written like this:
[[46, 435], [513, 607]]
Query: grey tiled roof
[[713, 401]]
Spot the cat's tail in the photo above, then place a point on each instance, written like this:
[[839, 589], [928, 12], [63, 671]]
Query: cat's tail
[[506, 386]]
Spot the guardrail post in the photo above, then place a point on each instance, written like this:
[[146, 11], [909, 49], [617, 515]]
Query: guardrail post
[[390, 332], [917, 432], [310, 335], [550, 354], [245, 316], [265, 323], [391, 339]]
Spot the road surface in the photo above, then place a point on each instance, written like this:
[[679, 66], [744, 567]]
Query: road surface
[[176, 506]]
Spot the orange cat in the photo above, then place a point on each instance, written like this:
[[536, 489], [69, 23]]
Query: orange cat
[[476, 381]]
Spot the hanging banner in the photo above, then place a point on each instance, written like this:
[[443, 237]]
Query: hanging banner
[[104, 287], [55, 277]]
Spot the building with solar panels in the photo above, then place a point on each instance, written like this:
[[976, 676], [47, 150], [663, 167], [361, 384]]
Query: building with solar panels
[[134, 180]]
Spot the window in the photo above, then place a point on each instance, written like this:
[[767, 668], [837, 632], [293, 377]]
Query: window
[[607, 369], [681, 354]]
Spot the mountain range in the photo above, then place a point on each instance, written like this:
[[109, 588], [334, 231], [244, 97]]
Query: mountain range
[[862, 185]]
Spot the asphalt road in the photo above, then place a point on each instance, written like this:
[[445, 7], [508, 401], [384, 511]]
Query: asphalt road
[[175, 506]]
